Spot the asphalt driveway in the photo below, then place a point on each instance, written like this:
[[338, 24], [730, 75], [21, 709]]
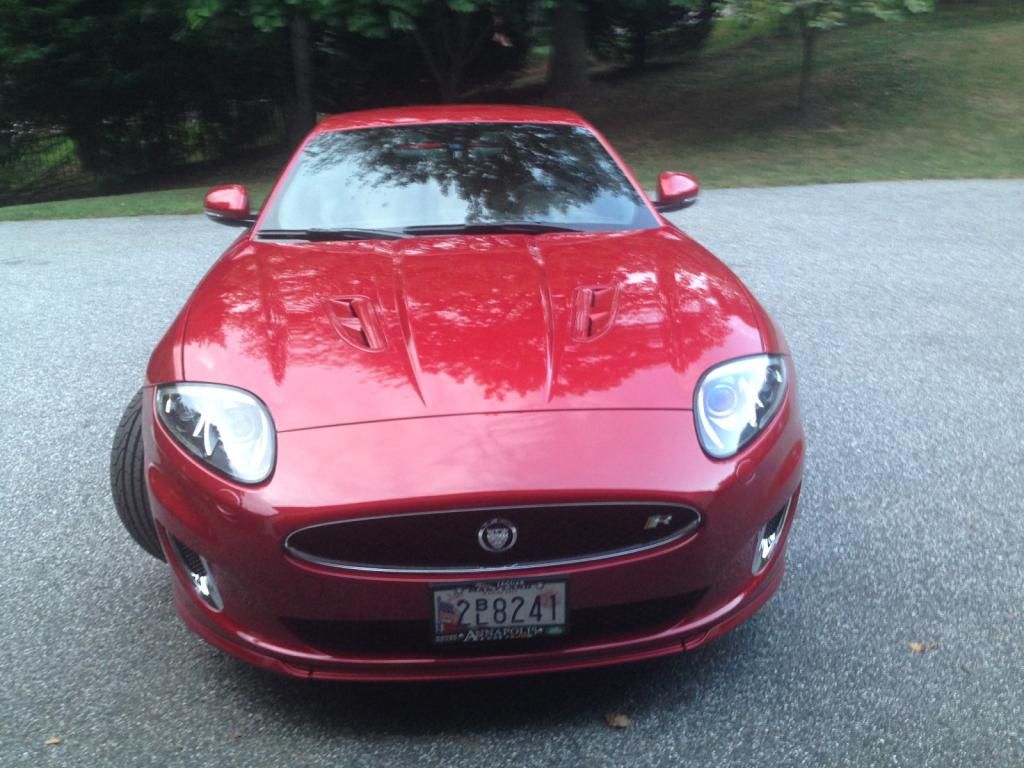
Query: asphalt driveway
[[903, 306]]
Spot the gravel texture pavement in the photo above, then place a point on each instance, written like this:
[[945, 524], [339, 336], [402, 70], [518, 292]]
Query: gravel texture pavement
[[902, 303]]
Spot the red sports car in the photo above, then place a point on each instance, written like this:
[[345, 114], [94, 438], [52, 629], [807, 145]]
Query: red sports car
[[459, 402]]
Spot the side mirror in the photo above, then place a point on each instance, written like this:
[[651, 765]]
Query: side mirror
[[676, 191], [229, 205]]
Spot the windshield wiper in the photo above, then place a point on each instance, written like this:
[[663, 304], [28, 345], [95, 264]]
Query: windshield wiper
[[496, 228], [330, 235]]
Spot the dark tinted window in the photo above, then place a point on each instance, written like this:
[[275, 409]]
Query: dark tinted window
[[458, 173]]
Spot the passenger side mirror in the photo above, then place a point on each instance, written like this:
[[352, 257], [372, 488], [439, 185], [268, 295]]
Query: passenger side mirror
[[229, 205], [676, 191]]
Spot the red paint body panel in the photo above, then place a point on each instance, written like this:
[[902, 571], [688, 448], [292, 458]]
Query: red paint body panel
[[459, 372], [475, 324], [469, 461]]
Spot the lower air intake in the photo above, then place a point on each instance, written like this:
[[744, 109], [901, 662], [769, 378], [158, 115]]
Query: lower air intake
[[586, 625], [198, 572], [770, 537]]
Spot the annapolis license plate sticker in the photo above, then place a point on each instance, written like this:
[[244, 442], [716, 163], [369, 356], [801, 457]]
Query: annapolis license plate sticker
[[512, 609]]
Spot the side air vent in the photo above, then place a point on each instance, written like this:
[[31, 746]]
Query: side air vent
[[594, 311], [355, 320]]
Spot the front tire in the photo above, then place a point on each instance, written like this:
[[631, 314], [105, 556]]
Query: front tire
[[128, 480]]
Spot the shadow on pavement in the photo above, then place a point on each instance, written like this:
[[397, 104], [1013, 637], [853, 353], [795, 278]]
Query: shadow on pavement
[[431, 708]]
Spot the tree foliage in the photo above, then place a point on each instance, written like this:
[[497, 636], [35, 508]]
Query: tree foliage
[[630, 29], [457, 42], [119, 75], [139, 84]]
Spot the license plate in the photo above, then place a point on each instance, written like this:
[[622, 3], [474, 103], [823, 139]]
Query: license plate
[[513, 609]]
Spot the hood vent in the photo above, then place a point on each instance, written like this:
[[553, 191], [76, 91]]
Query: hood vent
[[355, 320], [594, 311]]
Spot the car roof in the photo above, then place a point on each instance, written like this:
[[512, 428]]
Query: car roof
[[449, 113]]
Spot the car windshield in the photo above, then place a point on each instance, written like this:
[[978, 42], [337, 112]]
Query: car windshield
[[458, 176]]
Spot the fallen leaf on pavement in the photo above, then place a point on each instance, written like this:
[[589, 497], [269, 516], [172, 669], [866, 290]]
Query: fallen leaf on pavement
[[617, 720], [54, 741]]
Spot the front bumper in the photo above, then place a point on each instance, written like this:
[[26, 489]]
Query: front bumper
[[473, 461]]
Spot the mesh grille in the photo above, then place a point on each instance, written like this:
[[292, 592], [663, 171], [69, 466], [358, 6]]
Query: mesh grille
[[189, 558], [452, 539]]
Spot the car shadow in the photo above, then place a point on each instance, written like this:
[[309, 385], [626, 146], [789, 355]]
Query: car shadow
[[683, 682], [411, 709]]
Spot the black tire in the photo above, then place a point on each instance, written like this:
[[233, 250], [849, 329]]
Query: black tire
[[128, 480]]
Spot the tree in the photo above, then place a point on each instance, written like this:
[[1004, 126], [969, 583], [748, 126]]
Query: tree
[[625, 28], [119, 77], [453, 38], [814, 16], [459, 41], [271, 16]]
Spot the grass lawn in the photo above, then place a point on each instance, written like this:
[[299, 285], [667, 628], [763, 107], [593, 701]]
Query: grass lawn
[[165, 201], [933, 96]]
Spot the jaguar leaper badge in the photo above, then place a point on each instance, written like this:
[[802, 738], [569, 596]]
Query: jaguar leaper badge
[[497, 535]]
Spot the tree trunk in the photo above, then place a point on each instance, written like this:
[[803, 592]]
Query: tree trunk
[[567, 68], [88, 145], [705, 19], [304, 114], [451, 85], [450, 43], [808, 35], [638, 47]]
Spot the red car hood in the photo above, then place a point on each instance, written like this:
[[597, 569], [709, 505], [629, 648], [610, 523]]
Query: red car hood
[[337, 333]]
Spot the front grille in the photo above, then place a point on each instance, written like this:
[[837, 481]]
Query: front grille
[[454, 540], [369, 638]]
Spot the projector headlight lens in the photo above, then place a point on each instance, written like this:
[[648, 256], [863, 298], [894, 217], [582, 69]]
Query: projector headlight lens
[[736, 400]]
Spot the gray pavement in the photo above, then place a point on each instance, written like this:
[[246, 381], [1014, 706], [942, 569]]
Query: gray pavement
[[902, 303]]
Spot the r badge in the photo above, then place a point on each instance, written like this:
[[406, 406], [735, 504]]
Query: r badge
[[655, 520]]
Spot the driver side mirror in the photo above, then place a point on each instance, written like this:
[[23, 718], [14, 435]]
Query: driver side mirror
[[229, 205], [676, 191]]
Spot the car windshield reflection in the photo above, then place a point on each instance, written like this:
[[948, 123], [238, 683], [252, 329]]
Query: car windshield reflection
[[458, 175]]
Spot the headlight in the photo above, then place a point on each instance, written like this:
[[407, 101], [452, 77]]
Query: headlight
[[736, 400], [224, 427]]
